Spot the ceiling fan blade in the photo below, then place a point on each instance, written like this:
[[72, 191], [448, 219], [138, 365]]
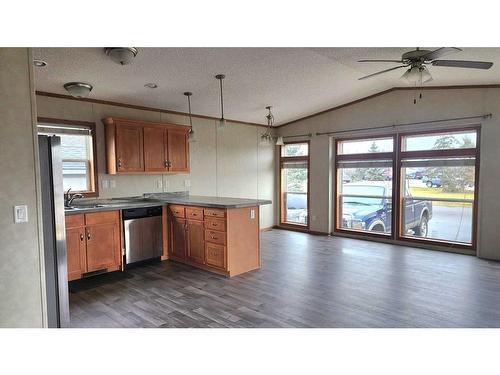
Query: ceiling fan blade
[[393, 61], [383, 71], [463, 64], [440, 52]]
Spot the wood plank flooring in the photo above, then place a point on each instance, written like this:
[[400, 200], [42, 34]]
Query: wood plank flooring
[[305, 281]]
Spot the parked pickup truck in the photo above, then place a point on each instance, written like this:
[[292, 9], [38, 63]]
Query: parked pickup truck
[[368, 206]]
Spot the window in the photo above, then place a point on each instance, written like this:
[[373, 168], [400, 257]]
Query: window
[[440, 173], [364, 185], [435, 181], [77, 152], [294, 162]]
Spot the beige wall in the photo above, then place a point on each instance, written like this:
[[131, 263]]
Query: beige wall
[[20, 256], [397, 107], [228, 163]]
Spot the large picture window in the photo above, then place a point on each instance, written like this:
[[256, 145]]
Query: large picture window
[[411, 186], [77, 152], [294, 164]]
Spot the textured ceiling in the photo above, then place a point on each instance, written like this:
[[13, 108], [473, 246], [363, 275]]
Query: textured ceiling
[[296, 81]]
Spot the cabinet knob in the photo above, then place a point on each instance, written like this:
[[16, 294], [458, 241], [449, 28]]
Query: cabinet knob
[[88, 235], [119, 163], [82, 237], [166, 163]]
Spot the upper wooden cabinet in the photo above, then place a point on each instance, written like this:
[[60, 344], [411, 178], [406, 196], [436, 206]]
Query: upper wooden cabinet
[[145, 147]]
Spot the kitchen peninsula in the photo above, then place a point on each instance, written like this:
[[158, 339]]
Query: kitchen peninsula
[[217, 234]]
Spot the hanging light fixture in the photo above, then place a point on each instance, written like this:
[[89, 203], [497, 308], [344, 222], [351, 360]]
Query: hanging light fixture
[[266, 138], [417, 74], [279, 141], [221, 124], [191, 137]]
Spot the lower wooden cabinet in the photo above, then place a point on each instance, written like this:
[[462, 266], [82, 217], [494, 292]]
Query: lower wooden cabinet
[[178, 240], [93, 243], [196, 241], [225, 241]]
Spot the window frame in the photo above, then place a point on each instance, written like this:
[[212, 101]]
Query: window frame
[[362, 157], [93, 178], [282, 159], [397, 231]]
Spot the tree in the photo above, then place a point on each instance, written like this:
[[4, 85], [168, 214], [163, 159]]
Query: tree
[[453, 179], [369, 174]]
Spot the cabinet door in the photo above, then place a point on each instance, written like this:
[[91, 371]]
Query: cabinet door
[[196, 241], [129, 148], [155, 159], [103, 246], [216, 255], [178, 237], [178, 150], [75, 248]]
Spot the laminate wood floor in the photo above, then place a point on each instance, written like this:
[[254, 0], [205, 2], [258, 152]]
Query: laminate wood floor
[[305, 281]]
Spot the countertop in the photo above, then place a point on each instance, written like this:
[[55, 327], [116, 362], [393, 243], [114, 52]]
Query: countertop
[[160, 199]]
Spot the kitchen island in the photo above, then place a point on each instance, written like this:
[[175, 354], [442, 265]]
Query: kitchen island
[[217, 234]]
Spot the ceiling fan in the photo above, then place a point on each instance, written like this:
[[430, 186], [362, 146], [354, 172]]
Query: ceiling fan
[[417, 60]]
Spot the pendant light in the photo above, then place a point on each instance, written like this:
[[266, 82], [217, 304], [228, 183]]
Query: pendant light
[[221, 124], [266, 138], [279, 141], [191, 137]]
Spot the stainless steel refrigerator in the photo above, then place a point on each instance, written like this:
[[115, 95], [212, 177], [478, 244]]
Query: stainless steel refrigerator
[[54, 234]]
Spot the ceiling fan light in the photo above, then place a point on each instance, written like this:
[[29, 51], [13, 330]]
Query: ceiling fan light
[[279, 141], [191, 136], [78, 89], [121, 55], [425, 75]]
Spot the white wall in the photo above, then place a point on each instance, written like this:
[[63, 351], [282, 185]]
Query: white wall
[[21, 301], [397, 107], [226, 163]]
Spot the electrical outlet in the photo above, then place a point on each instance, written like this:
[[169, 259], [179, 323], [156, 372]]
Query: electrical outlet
[[159, 184], [187, 183], [252, 214], [112, 184], [165, 185], [105, 184]]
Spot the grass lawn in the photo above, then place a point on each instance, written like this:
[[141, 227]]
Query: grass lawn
[[439, 193]]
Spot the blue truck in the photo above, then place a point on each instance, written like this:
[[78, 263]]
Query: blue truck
[[367, 206]]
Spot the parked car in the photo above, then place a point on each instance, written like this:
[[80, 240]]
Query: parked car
[[368, 206], [432, 182], [418, 175]]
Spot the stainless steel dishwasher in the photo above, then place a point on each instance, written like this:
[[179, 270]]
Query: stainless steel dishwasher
[[143, 233]]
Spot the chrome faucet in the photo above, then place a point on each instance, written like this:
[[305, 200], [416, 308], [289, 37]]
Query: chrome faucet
[[68, 198]]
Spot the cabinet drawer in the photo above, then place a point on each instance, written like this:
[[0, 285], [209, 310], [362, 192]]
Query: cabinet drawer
[[102, 217], [215, 237], [74, 221], [177, 211], [215, 224], [194, 213], [215, 255], [214, 212]]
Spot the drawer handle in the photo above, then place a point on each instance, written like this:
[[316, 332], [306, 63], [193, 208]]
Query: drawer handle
[[214, 224]]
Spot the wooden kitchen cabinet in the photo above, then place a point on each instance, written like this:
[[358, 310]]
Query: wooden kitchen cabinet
[[196, 241], [178, 239], [129, 149], [93, 243], [134, 146], [224, 241], [76, 252]]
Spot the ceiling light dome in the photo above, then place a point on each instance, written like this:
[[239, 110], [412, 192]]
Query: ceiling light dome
[[121, 55], [417, 74], [78, 89]]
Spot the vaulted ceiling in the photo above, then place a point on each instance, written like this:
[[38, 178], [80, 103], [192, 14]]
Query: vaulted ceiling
[[296, 81]]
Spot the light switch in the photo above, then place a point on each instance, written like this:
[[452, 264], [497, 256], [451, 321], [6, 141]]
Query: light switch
[[112, 184], [187, 183], [105, 184], [252, 214], [20, 214]]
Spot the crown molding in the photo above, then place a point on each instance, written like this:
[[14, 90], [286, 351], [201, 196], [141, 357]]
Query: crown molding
[[139, 107], [398, 88]]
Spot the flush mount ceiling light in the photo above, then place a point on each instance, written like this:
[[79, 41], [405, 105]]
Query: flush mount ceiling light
[[151, 85], [78, 89], [221, 124], [191, 137], [266, 138], [39, 63], [121, 55]]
